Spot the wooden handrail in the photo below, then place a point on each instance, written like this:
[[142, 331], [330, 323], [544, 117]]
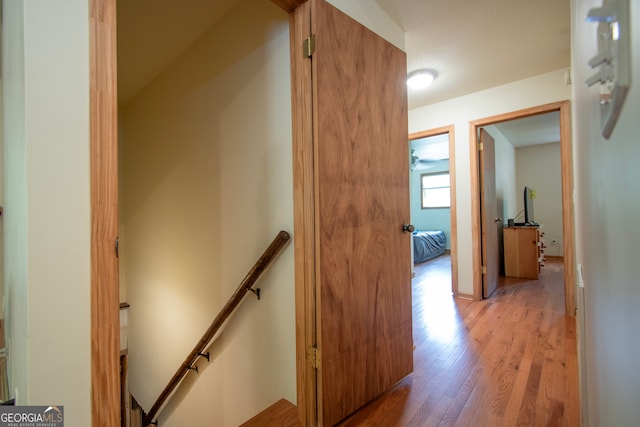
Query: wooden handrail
[[260, 266]]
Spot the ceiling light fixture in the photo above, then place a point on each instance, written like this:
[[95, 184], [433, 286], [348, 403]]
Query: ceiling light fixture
[[420, 79]]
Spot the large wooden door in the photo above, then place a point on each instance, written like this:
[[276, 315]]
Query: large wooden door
[[489, 221], [363, 278]]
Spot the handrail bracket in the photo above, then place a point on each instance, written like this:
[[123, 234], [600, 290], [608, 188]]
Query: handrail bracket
[[256, 291]]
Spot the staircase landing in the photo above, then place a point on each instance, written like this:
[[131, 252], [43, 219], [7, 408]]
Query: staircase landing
[[281, 414]]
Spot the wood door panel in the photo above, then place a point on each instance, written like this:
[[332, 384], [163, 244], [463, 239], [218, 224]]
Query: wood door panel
[[363, 273], [488, 211], [367, 359]]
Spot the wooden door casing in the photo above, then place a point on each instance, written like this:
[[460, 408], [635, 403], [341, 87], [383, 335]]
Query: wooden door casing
[[568, 223], [103, 136]]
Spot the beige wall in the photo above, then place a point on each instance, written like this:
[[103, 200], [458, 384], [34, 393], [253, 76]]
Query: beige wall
[[538, 90], [47, 215], [206, 185], [607, 221], [539, 167]]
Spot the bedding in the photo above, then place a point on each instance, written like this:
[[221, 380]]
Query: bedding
[[428, 244]]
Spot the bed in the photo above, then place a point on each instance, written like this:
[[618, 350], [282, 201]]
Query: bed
[[428, 244]]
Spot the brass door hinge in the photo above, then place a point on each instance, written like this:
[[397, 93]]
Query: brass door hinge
[[309, 46], [484, 269], [480, 146], [313, 355]]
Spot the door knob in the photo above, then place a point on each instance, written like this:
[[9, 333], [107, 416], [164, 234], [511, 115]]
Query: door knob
[[408, 228], [498, 220]]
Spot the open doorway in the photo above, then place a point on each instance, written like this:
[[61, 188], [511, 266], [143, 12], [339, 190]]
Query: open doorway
[[563, 245], [432, 159]]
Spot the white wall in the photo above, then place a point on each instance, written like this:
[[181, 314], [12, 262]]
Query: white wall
[[505, 183], [14, 172], [47, 204], [607, 220], [506, 194], [207, 184], [539, 167], [538, 90]]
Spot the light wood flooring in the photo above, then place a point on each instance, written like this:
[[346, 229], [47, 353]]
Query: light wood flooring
[[509, 360]]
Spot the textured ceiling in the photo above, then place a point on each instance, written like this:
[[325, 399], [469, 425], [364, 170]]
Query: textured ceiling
[[475, 45], [432, 148], [534, 130]]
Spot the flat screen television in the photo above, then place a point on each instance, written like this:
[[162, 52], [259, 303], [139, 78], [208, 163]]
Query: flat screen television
[[529, 196]]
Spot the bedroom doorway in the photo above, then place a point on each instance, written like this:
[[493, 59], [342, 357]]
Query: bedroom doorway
[[432, 162], [561, 240]]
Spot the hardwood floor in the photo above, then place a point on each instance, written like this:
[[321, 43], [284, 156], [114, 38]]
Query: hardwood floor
[[509, 360], [281, 414], [506, 361]]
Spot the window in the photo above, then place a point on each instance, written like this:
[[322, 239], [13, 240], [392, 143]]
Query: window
[[435, 190]]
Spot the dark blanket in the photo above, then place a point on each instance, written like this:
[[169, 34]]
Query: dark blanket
[[428, 244]]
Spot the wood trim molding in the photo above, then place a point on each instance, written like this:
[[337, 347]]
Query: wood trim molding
[[568, 225], [520, 114], [453, 212], [468, 297], [304, 214], [289, 5], [432, 132], [476, 241], [105, 313], [450, 130]]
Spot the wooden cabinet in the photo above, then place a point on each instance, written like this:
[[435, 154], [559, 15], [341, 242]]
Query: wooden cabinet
[[523, 252]]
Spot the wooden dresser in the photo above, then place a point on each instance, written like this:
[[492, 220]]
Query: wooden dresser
[[523, 252]]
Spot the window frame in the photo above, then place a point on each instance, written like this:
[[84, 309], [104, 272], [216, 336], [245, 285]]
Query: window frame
[[423, 188]]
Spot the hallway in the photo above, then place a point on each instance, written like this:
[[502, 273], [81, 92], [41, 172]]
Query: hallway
[[509, 360]]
